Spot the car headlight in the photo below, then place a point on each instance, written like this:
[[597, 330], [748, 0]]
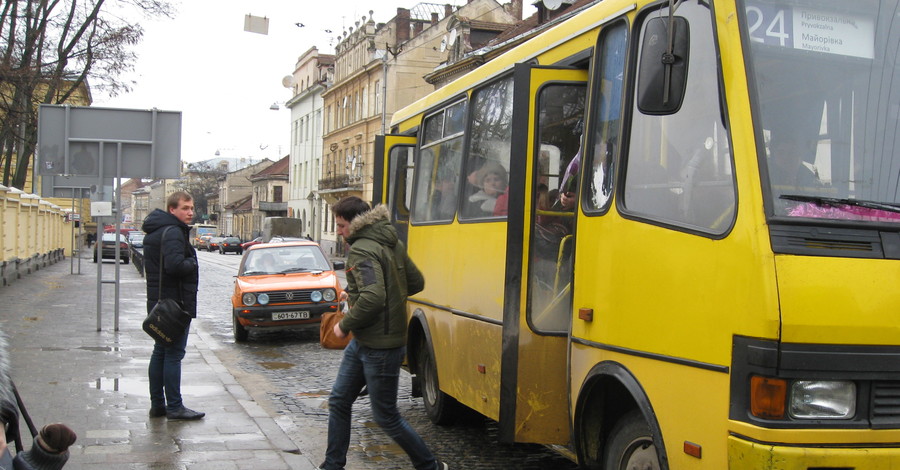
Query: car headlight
[[263, 299], [329, 295], [248, 298], [315, 296], [823, 399]]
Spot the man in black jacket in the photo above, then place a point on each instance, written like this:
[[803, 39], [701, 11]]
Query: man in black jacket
[[179, 281]]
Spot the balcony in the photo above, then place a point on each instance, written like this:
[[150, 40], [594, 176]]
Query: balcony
[[273, 206], [340, 182]]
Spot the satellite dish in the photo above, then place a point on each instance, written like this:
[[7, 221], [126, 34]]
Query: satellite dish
[[552, 4], [452, 39], [287, 81], [444, 43]]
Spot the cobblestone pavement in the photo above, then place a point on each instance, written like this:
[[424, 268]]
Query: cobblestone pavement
[[290, 375]]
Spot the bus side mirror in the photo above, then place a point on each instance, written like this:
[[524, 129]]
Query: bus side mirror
[[662, 77]]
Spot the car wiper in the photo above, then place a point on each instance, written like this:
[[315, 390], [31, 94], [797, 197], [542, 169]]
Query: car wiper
[[834, 201], [254, 273], [302, 270]]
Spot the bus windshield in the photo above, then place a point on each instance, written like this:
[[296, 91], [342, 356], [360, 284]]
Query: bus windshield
[[827, 110]]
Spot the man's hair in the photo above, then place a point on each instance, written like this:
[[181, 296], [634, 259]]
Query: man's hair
[[349, 207], [175, 199]]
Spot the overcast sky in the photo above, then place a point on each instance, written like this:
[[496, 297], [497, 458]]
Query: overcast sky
[[224, 79]]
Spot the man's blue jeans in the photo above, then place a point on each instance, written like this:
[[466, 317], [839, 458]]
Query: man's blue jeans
[[165, 374], [379, 370]]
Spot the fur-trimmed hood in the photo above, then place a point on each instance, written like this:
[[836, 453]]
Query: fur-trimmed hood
[[374, 224]]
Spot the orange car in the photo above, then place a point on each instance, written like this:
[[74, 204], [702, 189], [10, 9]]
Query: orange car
[[283, 286]]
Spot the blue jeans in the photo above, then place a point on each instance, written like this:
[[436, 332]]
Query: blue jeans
[[165, 374], [379, 370]]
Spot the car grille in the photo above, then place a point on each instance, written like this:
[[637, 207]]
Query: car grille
[[289, 296], [885, 404]]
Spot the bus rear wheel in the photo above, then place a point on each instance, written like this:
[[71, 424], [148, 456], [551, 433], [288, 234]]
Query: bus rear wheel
[[630, 445], [440, 407]]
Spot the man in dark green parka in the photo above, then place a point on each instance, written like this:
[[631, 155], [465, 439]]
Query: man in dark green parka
[[380, 276]]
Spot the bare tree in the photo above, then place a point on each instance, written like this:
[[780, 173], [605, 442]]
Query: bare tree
[[52, 48], [201, 180]]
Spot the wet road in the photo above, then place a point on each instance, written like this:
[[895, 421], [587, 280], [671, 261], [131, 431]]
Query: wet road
[[290, 376]]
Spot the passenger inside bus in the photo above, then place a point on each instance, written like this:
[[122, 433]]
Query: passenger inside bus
[[443, 199], [492, 181]]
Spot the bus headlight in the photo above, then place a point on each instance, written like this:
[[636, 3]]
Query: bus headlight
[[329, 295], [315, 296], [823, 399], [249, 298]]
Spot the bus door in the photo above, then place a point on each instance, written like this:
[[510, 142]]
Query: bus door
[[393, 178], [541, 232]]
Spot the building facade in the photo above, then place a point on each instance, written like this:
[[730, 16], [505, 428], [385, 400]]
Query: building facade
[[313, 74], [379, 68]]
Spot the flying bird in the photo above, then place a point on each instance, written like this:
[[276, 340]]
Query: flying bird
[[299, 25]]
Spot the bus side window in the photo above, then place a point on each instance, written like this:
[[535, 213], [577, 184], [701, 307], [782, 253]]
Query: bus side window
[[487, 167], [612, 46], [678, 169], [437, 169]]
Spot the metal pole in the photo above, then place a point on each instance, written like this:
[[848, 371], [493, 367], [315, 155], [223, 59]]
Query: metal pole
[[99, 243], [118, 213], [74, 237]]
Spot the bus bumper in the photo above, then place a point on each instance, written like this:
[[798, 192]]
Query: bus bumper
[[746, 455]]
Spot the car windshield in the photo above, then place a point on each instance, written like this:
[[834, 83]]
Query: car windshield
[[232, 240], [284, 259], [823, 76]]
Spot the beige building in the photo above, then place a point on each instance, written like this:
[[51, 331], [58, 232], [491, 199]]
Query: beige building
[[234, 186], [269, 195], [380, 68]]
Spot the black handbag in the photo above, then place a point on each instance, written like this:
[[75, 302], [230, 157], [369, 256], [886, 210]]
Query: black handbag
[[167, 321]]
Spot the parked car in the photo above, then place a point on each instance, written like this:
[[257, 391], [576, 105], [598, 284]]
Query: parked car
[[231, 245], [255, 241], [280, 239], [214, 243], [136, 239], [283, 286], [203, 242], [107, 247]]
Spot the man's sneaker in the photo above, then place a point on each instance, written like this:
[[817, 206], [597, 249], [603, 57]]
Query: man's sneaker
[[157, 412], [442, 465], [185, 413]]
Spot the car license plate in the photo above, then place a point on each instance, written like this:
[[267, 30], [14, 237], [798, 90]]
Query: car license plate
[[301, 315]]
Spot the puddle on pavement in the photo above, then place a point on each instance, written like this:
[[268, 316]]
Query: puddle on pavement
[[141, 387], [83, 348], [276, 365], [269, 353], [376, 453]]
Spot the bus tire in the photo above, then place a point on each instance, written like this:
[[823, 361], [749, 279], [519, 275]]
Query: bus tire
[[440, 407], [631, 445], [240, 333]]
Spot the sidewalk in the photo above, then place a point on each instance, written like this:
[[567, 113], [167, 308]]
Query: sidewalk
[[96, 381]]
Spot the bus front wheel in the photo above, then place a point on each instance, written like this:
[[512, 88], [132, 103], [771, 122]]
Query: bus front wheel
[[440, 407], [631, 445]]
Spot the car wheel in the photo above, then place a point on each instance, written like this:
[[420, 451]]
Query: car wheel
[[125, 260], [240, 333], [631, 445]]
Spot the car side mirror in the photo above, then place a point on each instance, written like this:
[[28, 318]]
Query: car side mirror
[[338, 265]]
